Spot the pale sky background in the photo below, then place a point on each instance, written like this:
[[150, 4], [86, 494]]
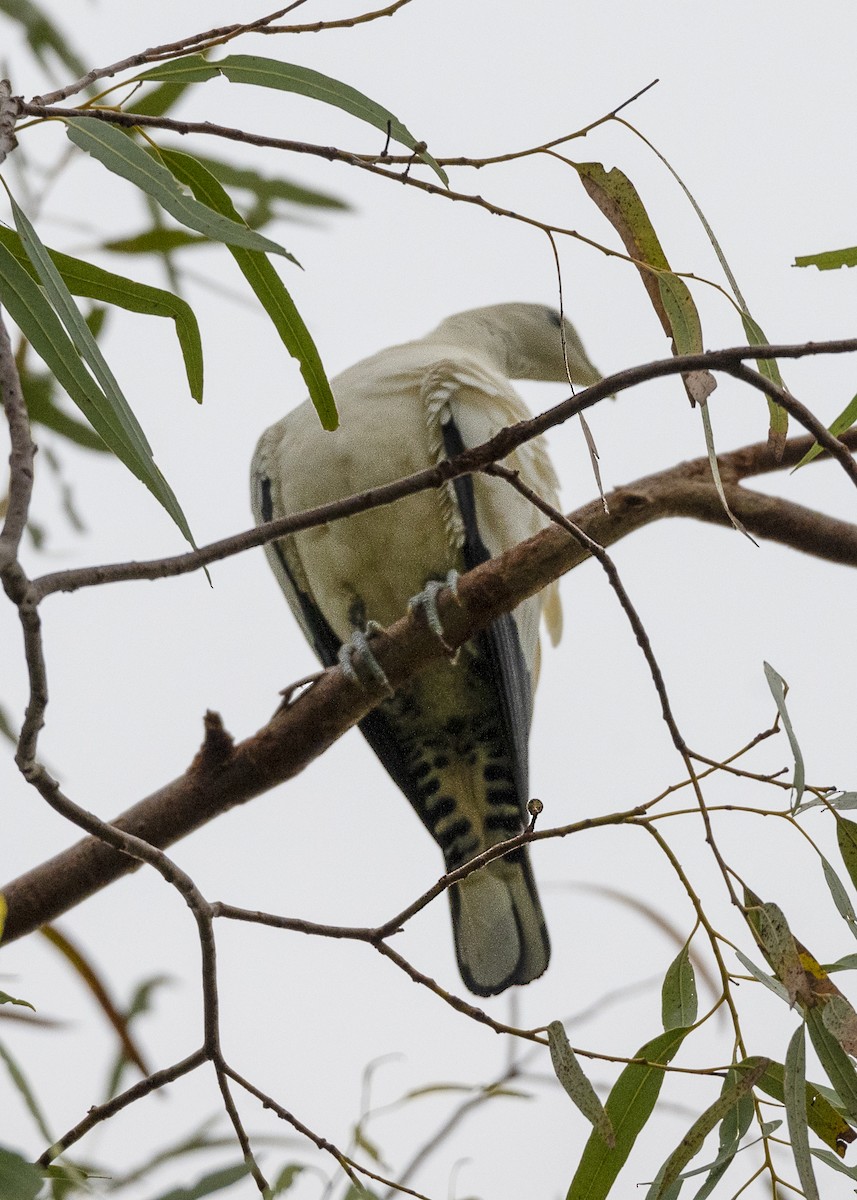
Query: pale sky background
[[755, 109]]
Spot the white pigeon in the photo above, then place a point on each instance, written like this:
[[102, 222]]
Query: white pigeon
[[454, 739]]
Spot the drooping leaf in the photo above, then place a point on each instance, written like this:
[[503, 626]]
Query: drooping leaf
[[39, 388], [836, 1063], [267, 190], [63, 352], [844, 421], [848, 962], [832, 1161], [824, 1120], [769, 367], [286, 1178], [733, 1127], [829, 260], [846, 836], [711, 450], [840, 897], [158, 101], [776, 939], [573, 1078], [26, 1093], [287, 77], [794, 1089], [679, 1006], [768, 980], [19, 1179], [629, 1106], [840, 1019], [94, 283], [778, 690], [620, 202], [42, 35], [693, 1140], [120, 154], [267, 285]]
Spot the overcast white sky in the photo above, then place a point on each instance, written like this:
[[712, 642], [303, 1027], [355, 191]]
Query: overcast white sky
[[755, 109]]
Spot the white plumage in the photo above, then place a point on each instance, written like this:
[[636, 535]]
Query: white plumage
[[455, 739]]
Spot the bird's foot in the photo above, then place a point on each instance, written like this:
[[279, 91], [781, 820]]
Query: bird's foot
[[427, 601], [355, 656]]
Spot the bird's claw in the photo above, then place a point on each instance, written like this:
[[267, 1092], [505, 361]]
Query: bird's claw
[[427, 601], [355, 653]]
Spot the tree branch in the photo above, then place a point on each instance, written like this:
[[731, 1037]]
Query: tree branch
[[223, 775]]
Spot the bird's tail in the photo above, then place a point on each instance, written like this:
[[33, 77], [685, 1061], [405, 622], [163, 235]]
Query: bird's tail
[[499, 926]]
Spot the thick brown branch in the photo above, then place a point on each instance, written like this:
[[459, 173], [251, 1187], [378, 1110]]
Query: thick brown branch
[[218, 780]]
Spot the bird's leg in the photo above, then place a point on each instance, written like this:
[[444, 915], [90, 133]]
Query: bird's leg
[[427, 601], [355, 654]]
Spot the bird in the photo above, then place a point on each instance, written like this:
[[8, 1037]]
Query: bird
[[455, 738]]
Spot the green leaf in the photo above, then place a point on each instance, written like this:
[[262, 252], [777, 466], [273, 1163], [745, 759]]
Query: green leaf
[[5, 998], [794, 1088], [778, 690], [733, 1127], [840, 897], [120, 154], [42, 35], [572, 1077], [629, 1106], [266, 284], [38, 388], [829, 260], [711, 449], [846, 836], [268, 189], [117, 421], [19, 1179], [286, 77], [214, 1182], [157, 240], [832, 1161], [26, 1093], [824, 1120], [836, 1063], [844, 421], [693, 1140], [768, 980], [287, 1177], [84, 279], [769, 368], [848, 962], [158, 101], [679, 1005]]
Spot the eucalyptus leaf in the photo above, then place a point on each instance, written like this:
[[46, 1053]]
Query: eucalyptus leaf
[[573, 1078], [287, 77], [679, 1005], [778, 690], [120, 154], [266, 283], [794, 1088]]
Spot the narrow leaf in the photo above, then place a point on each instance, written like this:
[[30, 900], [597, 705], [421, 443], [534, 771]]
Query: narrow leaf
[[629, 1106], [840, 897], [157, 240], [844, 421], [824, 1120], [768, 980], [848, 962], [571, 1075], [267, 285], [829, 260], [26, 1093], [778, 690], [832, 1161], [42, 35], [715, 469], [769, 368], [268, 189], [5, 998], [794, 1089], [120, 154], [85, 279], [846, 836], [679, 1005], [733, 1127], [841, 1020], [34, 316], [836, 1063], [781, 951], [286, 77], [114, 409], [692, 1142]]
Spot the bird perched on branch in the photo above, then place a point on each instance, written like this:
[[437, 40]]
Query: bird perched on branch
[[454, 739]]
